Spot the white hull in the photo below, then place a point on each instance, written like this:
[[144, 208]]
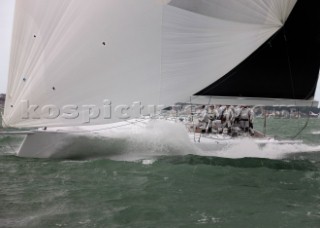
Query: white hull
[[65, 142], [110, 140]]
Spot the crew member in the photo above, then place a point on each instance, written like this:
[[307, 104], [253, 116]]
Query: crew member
[[246, 119], [213, 115], [227, 117]]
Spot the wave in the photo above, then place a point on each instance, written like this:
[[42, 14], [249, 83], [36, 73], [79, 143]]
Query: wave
[[10, 144], [315, 132], [249, 148], [301, 165]]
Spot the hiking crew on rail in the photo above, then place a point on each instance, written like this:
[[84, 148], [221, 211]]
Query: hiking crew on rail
[[225, 119]]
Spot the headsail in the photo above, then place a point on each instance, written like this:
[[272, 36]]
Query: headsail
[[285, 66], [204, 40], [69, 57]]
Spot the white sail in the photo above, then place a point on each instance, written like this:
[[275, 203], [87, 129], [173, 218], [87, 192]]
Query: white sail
[[198, 50], [79, 53]]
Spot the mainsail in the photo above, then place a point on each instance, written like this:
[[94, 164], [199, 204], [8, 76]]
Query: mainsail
[[80, 55]]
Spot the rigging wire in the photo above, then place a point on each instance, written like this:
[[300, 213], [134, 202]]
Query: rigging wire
[[193, 125], [289, 62], [292, 84]]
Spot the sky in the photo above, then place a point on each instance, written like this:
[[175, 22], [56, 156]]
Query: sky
[[6, 22]]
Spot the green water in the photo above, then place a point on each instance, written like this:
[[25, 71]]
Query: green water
[[173, 191]]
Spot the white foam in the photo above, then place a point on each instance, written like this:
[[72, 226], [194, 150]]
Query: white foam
[[156, 138], [133, 141], [250, 148]]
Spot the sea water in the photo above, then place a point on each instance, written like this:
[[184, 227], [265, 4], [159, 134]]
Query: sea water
[[158, 178]]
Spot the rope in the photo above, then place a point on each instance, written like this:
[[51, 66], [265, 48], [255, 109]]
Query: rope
[[304, 127]]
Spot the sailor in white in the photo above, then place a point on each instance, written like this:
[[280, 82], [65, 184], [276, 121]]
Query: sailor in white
[[213, 122], [221, 108], [246, 119], [251, 118], [227, 117], [236, 112], [203, 118]]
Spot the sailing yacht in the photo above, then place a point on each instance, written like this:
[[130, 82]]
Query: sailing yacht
[[79, 66]]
